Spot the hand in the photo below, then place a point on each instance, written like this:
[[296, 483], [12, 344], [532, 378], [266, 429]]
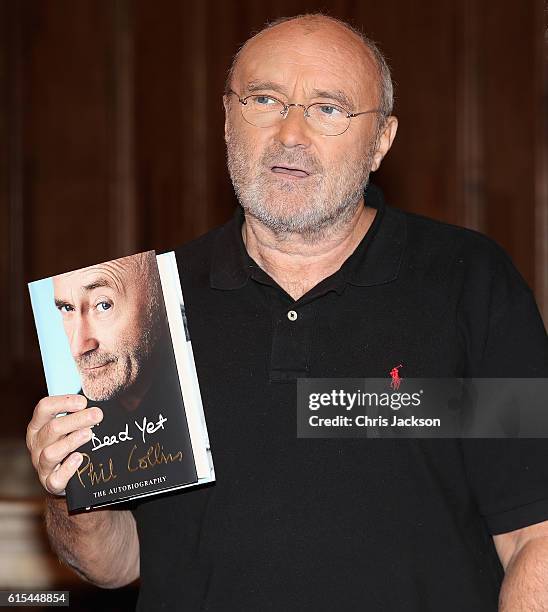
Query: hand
[[51, 439]]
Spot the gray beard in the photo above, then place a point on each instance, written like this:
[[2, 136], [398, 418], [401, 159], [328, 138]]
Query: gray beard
[[131, 364], [312, 209]]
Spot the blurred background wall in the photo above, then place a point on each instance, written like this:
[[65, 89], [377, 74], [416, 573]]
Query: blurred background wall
[[111, 142]]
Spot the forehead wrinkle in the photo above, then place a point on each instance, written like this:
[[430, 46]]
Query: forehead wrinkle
[[119, 274], [346, 87], [77, 281], [116, 275], [333, 93], [333, 41]]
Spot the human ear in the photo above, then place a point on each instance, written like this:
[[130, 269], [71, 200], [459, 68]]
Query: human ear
[[384, 141]]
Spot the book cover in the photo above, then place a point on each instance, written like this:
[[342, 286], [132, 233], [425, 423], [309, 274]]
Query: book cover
[[116, 333]]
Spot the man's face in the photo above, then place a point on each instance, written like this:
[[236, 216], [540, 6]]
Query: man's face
[[305, 67], [111, 324]]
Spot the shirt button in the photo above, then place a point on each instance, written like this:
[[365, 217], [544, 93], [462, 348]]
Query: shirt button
[[292, 315]]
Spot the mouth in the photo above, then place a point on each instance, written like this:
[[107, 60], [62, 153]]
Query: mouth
[[98, 367], [290, 171]]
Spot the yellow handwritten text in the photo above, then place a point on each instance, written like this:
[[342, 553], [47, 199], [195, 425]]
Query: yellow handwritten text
[[95, 475], [154, 456]]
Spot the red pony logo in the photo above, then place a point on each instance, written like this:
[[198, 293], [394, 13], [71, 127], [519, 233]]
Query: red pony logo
[[395, 375]]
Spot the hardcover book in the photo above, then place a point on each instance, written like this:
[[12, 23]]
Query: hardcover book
[[116, 333]]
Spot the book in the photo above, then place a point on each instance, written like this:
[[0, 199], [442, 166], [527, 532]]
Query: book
[[116, 332]]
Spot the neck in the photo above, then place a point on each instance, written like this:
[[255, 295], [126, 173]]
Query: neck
[[294, 261]]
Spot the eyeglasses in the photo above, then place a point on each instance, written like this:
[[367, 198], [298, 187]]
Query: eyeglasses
[[327, 119]]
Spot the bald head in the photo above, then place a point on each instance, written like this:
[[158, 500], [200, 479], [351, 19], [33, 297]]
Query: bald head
[[317, 30], [111, 315]]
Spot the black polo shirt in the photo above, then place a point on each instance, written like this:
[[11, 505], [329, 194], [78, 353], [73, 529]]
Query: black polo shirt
[[383, 525]]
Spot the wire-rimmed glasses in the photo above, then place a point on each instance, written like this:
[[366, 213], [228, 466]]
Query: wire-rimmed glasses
[[326, 118]]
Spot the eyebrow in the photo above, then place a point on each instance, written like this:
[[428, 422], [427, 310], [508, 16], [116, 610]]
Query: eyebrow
[[60, 303], [335, 94], [261, 85], [100, 282], [332, 94], [96, 284]]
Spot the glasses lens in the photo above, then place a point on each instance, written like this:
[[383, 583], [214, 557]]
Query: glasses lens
[[328, 119], [262, 111]]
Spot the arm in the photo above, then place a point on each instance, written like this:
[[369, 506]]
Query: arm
[[524, 556], [101, 546]]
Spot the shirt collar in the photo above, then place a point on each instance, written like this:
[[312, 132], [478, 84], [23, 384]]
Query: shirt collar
[[376, 260]]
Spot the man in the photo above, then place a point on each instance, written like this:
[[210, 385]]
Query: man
[[312, 280], [112, 318]]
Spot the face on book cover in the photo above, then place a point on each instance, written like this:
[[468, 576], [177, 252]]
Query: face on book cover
[[111, 317]]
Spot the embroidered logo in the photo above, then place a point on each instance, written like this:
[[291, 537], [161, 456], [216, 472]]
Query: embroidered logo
[[395, 376]]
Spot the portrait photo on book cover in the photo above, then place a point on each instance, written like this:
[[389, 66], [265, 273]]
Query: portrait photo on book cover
[[113, 323], [114, 320]]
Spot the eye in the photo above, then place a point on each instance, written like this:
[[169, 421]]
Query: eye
[[64, 308], [330, 110], [103, 306], [264, 100]]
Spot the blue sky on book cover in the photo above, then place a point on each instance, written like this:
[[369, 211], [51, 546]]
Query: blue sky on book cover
[[61, 373]]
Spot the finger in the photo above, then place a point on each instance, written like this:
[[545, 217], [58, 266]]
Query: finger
[[52, 455], [57, 481], [56, 429], [48, 407]]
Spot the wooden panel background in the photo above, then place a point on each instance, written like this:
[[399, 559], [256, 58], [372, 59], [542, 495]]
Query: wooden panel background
[[111, 133]]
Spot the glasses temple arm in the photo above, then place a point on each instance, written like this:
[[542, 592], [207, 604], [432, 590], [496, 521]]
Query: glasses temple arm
[[375, 110]]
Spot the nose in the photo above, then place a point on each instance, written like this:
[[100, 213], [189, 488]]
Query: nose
[[293, 130], [81, 336]]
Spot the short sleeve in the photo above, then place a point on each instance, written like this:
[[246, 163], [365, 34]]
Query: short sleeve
[[509, 477]]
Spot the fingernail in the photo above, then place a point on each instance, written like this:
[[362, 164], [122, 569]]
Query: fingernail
[[96, 414], [81, 401], [85, 434], [76, 459]]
